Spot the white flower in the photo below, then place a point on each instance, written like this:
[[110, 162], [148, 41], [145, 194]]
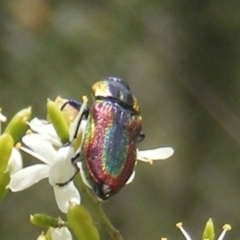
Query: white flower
[[2, 119], [152, 155], [15, 161], [60, 233], [46, 130], [226, 228], [45, 145], [57, 167]]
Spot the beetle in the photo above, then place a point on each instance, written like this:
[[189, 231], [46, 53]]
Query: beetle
[[113, 129]]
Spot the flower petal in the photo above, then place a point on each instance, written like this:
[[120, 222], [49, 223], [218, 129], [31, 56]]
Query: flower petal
[[62, 169], [155, 154], [131, 178], [83, 175], [2, 117], [44, 151], [61, 234], [65, 195], [28, 176], [46, 130], [15, 162]]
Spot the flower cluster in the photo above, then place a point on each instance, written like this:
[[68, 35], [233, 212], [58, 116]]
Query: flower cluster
[[43, 143], [56, 143], [208, 233]]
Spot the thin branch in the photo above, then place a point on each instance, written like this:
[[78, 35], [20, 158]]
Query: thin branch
[[97, 206]]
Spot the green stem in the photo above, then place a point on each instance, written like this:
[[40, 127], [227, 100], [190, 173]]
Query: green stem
[[97, 206]]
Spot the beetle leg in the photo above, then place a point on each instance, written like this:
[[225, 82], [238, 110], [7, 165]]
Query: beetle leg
[[73, 159], [68, 181], [141, 136], [77, 105], [73, 103], [84, 113]]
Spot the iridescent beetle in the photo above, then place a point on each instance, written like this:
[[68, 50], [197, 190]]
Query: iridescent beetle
[[109, 147]]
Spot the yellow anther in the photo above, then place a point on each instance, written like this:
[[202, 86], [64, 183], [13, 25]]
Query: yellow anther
[[85, 99], [18, 145], [25, 119], [227, 227], [29, 131], [179, 225], [150, 161], [58, 99]]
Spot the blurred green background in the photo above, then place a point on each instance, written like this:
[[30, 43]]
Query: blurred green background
[[181, 60]]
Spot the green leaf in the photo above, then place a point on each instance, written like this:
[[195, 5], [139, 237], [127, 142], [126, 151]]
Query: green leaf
[[81, 223], [6, 145], [17, 126], [208, 233], [58, 120]]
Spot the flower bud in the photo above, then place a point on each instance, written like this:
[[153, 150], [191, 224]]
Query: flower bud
[[42, 220], [208, 232], [81, 223], [58, 120], [4, 180], [6, 145], [17, 126]]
